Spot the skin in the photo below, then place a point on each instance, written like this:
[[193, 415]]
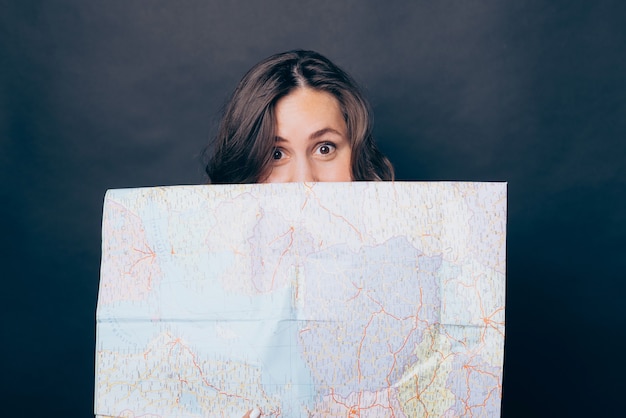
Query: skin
[[312, 142], [254, 413]]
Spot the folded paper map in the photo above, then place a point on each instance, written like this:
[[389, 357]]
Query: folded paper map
[[363, 299]]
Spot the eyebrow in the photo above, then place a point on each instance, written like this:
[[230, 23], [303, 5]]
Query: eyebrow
[[315, 134]]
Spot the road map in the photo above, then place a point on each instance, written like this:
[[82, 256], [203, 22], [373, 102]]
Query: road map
[[363, 299]]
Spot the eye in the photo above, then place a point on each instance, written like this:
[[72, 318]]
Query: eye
[[326, 148], [278, 154]]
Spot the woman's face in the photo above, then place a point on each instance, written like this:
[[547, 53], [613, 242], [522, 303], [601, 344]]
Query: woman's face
[[311, 139]]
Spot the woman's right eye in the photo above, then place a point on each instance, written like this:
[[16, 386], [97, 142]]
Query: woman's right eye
[[277, 155]]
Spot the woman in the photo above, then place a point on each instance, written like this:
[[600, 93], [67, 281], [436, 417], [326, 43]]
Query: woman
[[296, 116]]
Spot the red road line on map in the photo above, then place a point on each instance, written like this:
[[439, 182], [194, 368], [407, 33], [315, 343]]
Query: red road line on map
[[285, 251], [389, 396], [358, 351], [356, 409], [418, 397], [419, 393], [391, 350], [332, 395], [336, 215], [491, 392], [382, 309], [306, 199], [148, 254], [486, 318], [489, 322], [357, 293], [289, 231], [465, 402], [176, 342], [477, 370], [470, 369]]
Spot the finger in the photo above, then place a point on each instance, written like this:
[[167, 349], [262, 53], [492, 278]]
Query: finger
[[253, 413]]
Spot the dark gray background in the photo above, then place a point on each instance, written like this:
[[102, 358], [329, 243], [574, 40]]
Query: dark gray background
[[107, 94]]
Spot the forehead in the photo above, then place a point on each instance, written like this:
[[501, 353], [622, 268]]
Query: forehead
[[305, 109]]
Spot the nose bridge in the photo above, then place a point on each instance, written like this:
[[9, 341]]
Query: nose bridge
[[303, 170]]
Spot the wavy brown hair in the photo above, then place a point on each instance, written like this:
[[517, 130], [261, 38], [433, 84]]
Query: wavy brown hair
[[243, 148]]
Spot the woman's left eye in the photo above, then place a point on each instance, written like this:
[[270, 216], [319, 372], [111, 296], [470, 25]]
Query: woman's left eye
[[325, 148]]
